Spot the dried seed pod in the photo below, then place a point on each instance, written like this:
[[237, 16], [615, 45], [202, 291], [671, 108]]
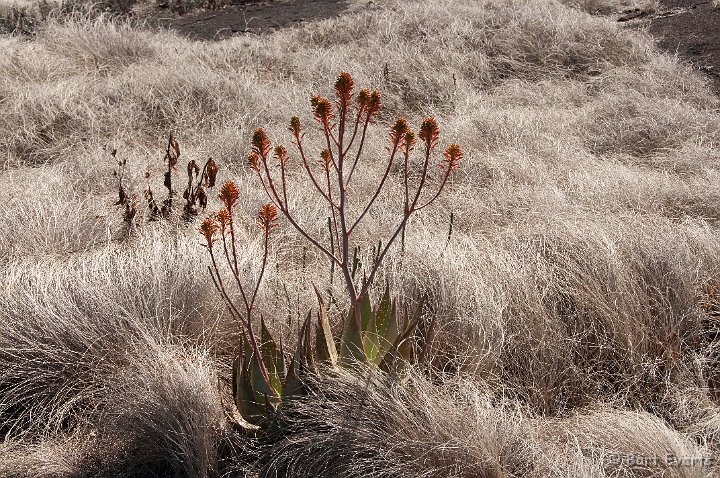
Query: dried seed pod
[[202, 197], [173, 151], [211, 170], [192, 167]]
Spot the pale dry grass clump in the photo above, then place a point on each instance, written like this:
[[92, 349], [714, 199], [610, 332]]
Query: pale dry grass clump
[[584, 239], [360, 427], [114, 394]]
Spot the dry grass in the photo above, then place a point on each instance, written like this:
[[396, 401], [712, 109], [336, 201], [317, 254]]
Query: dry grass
[[570, 329]]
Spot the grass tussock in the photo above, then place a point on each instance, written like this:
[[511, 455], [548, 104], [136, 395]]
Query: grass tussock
[[573, 294]]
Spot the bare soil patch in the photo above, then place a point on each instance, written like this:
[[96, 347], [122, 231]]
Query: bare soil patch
[[252, 17], [691, 28]]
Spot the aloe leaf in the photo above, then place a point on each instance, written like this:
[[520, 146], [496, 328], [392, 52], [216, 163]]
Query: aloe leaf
[[270, 356], [236, 372], [377, 336], [351, 346], [260, 383], [365, 312], [308, 358], [387, 339], [293, 382], [383, 312], [245, 398], [402, 349], [324, 342], [371, 339]]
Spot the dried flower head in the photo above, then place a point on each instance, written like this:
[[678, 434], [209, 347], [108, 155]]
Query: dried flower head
[[344, 89], [322, 110], [211, 171], [453, 155], [281, 154], [202, 197], [208, 228], [229, 195], [192, 168], [267, 217], [261, 143], [429, 132]]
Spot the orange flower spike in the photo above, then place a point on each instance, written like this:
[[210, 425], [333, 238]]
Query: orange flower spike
[[267, 217], [344, 90], [223, 219], [362, 99], [326, 159], [429, 132], [208, 228], [322, 110], [295, 128], [281, 155], [261, 143], [453, 155], [229, 195], [254, 161], [374, 104], [398, 131], [409, 140]]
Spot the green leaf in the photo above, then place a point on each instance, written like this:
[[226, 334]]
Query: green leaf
[[270, 357], [383, 312], [260, 383], [391, 333], [294, 385], [402, 349], [383, 318], [351, 346], [245, 397], [371, 340], [324, 342], [365, 312]]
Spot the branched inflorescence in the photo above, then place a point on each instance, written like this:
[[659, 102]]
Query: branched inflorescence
[[262, 376], [344, 127]]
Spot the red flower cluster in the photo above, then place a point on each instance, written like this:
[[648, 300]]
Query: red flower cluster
[[267, 217], [229, 195], [429, 132], [453, 155]]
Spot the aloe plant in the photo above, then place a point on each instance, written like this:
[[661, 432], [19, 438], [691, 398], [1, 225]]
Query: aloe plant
[[384, 338], [264, 376]]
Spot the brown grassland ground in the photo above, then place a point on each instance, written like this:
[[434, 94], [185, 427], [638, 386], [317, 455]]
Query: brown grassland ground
[[576, 299]]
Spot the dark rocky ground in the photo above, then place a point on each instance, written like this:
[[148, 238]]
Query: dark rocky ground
[[690, 28], [252, 17]]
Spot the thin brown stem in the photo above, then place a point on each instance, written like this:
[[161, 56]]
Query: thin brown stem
[[306, 165], [355, 130], [360, 148], [378, 189]]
